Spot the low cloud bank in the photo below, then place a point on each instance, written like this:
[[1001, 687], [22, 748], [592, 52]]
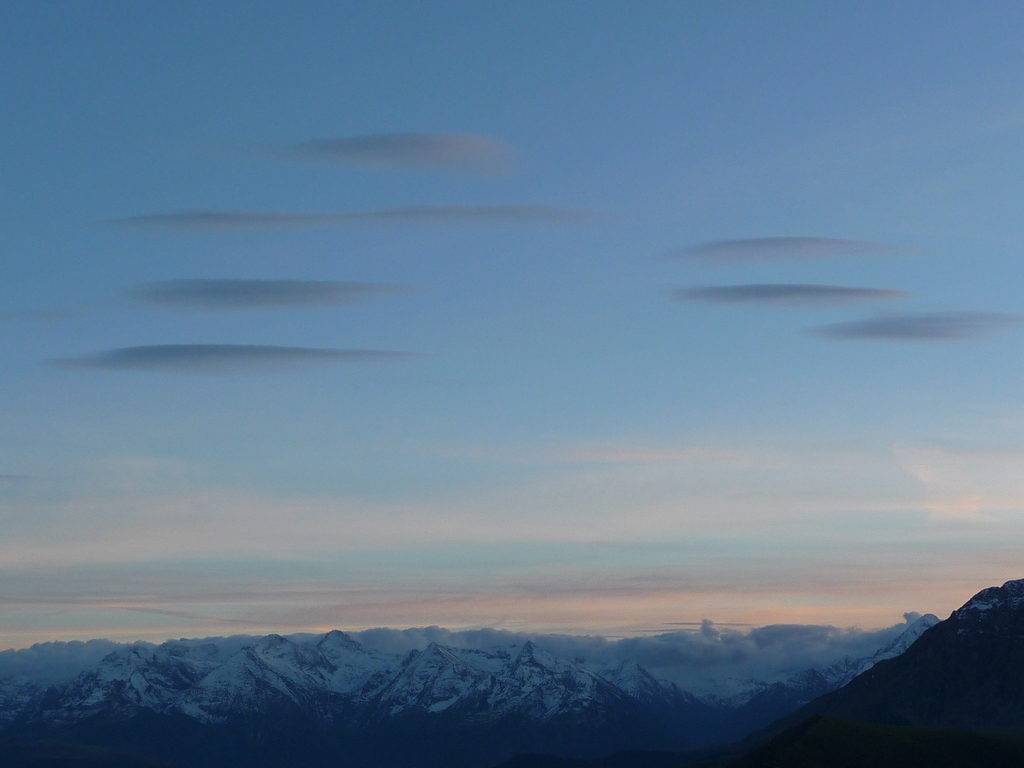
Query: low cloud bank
[[51, 663], [698, 660]]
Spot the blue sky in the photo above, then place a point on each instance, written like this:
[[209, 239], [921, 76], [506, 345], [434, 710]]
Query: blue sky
[[519, 197]]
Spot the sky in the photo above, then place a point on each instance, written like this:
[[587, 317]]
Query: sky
[[595, 318]]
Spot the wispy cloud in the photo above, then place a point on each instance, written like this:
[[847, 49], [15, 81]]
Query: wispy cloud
[[446, 152], [209, 220], [965, 483], [934, 326], [610, 453], [222, 358], [773, 248], [789, 294], [613, 454], [255, 294]]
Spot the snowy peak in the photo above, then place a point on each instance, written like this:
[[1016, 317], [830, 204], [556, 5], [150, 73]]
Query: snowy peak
[[527, 654], [134, 677], [434, 680], [844, 670], [270, 672], [531, 658], [488, 684], [15, 697], [357, 670], [637, 682], [906, 639], [543, 685], [289, 660], [995, 612], [1007, 598], [531, 655], [338, 640]]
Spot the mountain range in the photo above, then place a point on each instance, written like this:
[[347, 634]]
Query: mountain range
[[210, 703]]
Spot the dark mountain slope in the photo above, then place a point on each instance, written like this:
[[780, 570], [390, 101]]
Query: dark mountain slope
[[966, 673], [720, 757], [823, 742], [51, 755]]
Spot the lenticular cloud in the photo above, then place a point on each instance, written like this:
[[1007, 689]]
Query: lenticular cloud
[[214, 220], [222, 358], [777, 248], [935, 326], [785, 294], [256, 294]]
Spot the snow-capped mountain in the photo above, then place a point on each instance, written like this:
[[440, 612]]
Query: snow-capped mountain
[[358, 670], [495, 683], [132, 678], [636, 682], [371, 706], [15, 697], [435, 680], [844, 670], [541, 685], [388, 709], [207, 683], [274, 672], [257, 679], [1007, 599]]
